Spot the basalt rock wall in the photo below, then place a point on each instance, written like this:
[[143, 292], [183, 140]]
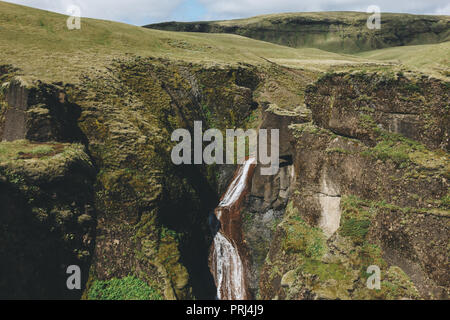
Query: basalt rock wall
[[358, 197]]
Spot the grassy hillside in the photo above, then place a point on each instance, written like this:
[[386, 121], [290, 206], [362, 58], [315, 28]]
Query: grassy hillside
[[432, 58], [39, 43], [345, 32]]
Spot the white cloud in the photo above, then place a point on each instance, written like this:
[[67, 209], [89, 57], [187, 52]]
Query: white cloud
[[443, 10], [133, 11]]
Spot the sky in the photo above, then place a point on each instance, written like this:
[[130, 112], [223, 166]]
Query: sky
[[141, 12]]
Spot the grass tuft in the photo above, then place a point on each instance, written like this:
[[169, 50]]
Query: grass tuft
[[128, 288]]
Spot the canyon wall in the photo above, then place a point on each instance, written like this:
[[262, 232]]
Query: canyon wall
[[363, 181], [358, 195], [46, 192], [150, 215]]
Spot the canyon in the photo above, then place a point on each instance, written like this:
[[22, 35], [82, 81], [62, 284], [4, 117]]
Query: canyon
[[87, 177]]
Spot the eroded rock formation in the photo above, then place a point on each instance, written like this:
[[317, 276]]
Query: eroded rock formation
[[363, 181], [359, 196]]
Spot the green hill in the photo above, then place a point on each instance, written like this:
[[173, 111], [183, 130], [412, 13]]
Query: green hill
[[39, 43], [344, 32], [430, 58]]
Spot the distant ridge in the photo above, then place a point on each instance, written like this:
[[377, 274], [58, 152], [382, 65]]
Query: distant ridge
[[342, 32]]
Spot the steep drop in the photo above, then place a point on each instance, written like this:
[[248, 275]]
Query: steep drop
[[226, 256]]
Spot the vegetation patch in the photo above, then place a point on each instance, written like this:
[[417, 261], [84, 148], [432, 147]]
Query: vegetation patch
[[338, 150], [128, 288], [356, 229], [302, 238], [388, 149], [23, 149], [355, 220], [326, 271], [445, 201], [404, 152]]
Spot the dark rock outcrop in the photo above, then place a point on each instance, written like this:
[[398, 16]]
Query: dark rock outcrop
[[359, 106], [269, 193], [359, 196], [38, 112], [47, 218]]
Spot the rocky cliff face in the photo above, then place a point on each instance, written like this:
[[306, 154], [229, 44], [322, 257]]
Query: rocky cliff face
[[363, 181], [357, 195], [331, 31], [47, 221], [151, 215], [46, 192], [38, 112]]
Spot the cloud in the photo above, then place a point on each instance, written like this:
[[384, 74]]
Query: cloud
[[137, 12], [444, 10]]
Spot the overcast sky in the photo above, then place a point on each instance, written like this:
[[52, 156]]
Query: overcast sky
[[140, 12]]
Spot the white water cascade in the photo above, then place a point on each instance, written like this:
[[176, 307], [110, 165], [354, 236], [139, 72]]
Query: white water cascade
[[229, 269], [227, 266]]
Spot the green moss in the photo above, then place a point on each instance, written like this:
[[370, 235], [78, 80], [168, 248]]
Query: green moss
[[368, 254], [302, 238], [168, 256], [42, 150], [404, 151], [128, 288], [338, 150], [355, 224], [326, 271], [337, 268], [445, 201], [412, 87], [21, 161], [354, 228], [367, 122], [167, 233], [355, 219], [395, 151], [25, 149], [309, 128], [395, 284]]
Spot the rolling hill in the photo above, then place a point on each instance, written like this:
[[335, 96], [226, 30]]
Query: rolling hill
[[39, 42], [344, 32]]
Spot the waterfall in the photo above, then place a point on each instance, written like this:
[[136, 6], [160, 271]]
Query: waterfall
[[226, 259], [229, 269]]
